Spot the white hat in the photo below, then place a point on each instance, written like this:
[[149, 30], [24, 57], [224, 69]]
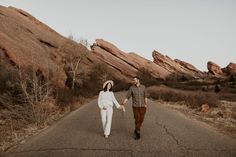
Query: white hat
[[109, 81]]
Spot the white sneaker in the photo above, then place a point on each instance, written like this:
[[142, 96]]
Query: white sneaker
[[106, 136]]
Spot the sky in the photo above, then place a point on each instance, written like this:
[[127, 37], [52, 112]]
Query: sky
[[195, 31]]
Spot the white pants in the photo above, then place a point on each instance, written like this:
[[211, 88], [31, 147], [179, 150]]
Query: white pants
[[106, 116]]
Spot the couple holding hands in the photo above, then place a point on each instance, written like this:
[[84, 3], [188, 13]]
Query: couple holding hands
[[106, 100]]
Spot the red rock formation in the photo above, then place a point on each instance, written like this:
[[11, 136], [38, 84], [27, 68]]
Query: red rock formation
[[231, 69], [213, 68], [188, 66], [175, 66], [127, 63], [27, 42]]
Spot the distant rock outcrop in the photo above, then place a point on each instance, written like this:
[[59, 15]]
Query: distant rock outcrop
[[214, 69], [217, 71], [128, 64], [231, 69], [175, 66], [188, 66]]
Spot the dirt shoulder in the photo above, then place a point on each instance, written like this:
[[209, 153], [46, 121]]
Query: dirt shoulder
[[223, 117]]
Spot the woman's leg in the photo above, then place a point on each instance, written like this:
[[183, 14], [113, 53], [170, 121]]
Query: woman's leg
[[103, 118], [109, 121]]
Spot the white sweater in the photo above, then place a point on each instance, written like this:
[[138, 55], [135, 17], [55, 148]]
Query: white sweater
[[106, 99]]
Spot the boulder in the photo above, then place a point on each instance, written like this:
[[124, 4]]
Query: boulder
[[213, 68], [205, 108], [231, 69]]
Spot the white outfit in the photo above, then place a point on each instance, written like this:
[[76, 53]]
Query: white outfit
[[107, 100]]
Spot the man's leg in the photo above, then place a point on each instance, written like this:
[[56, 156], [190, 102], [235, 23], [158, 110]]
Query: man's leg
[[136, 117], [136, 111], [142, 112], [142, 115]]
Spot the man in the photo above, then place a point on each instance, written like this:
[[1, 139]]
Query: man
[[139, 104]]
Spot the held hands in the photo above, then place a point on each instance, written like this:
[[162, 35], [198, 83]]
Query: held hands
[[122, 107], [146, 105]]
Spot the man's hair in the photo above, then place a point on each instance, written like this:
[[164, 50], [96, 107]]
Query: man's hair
[[106, 86]]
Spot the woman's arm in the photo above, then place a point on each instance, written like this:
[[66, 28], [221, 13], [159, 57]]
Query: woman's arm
[[99, 100], [115, 101]]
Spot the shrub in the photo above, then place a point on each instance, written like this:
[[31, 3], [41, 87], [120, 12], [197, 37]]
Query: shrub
[[64, 97], [198, 99], [120, 85], [36, 91], [232, 79], [147, 79], [93, 81], [179, 77], [9, 86], [227, 96], [192, 99], [217, 88]]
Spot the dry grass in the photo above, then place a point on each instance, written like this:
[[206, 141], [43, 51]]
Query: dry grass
[[27, 100], [192, 99]]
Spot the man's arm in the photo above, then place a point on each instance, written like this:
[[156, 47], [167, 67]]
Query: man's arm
[[145, 97], [124, 102], [127, 96], [146, 101]]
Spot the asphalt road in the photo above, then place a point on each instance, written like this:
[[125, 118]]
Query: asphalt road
[[164, 133]]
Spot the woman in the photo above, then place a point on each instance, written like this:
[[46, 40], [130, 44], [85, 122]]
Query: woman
[[106, 99]]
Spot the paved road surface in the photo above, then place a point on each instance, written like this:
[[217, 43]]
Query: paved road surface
[[165, 133]]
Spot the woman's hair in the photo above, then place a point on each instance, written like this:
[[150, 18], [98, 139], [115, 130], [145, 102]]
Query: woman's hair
[[106, 86]]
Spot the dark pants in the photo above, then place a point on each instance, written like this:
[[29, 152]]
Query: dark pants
[[139, 113]]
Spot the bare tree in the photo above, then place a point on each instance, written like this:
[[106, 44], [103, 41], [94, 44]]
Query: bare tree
[[74, 55], [35, 87], [80, 40], [73, 65], [36, 92]]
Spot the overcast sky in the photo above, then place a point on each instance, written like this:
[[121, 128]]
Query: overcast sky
[[191, 30]]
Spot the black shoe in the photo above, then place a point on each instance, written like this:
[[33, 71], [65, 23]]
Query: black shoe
[[137, 135]]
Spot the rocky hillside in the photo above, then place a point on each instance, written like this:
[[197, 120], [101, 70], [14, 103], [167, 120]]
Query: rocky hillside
[[27, 42]]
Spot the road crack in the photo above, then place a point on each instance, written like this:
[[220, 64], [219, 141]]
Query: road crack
[[171, 135], [185, 148]]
